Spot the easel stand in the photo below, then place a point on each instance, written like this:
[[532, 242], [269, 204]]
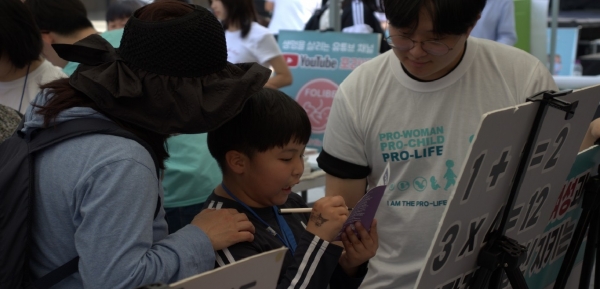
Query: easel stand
[[588, 222], [502, 254]]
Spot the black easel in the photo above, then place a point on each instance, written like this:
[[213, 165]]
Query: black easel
[[589, 222], [502, 254]]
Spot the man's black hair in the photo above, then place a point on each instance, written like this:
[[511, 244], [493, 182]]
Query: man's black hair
[[268, 120], [63, 17], [450, 17], [122, 9], [20, 38]]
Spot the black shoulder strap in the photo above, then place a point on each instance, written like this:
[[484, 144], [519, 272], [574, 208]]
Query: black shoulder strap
[[44, 138], [57, 274]]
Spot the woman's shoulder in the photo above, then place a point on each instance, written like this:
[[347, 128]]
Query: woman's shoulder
[[91, 152], [258, 32]]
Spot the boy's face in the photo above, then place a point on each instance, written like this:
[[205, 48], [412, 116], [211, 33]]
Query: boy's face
[[116, 24], [270, 176], [418, 62]]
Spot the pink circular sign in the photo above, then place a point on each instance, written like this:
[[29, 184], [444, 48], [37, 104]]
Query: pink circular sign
[[316, 97]]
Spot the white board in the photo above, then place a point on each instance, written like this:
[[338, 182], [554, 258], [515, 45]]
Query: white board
[[486, 179], [258, 271]]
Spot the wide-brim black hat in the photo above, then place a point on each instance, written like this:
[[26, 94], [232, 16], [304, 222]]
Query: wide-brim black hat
[[169, 77]]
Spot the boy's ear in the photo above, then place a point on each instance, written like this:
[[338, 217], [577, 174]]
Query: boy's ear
[[236, 161]]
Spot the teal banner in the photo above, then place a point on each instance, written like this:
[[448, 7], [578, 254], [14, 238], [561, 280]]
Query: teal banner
[[319, 62], [546, 253]]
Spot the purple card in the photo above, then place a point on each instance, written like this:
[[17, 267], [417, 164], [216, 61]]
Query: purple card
[[364, 211]]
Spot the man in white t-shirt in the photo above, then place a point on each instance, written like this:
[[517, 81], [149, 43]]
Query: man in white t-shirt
[[290, 14], [417, 107]]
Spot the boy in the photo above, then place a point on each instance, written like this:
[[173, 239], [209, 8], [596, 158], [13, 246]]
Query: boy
[[426, 95], [260, 154], [118, 12]]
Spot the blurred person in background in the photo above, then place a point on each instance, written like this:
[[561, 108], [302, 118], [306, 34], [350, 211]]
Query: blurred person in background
[[65, 22], [357, 16], [189, 177], [290, 14], [118, 12], [22, 69], [497, 22], [248, 41], [264, 16]]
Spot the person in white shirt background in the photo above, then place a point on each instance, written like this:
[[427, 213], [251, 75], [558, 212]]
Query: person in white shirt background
[[290, 14], [497, 22], [248, 41], [22, 70]]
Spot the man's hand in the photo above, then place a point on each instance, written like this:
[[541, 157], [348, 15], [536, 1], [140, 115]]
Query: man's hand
[[224, 227], [592, 135], [358, 251], [327, 217]]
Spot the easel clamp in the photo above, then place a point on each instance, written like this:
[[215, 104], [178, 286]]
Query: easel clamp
[[551, 97]]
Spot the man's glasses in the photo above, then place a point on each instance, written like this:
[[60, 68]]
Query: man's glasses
[[432, 47]]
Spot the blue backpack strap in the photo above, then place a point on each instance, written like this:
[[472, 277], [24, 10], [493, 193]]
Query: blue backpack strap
[[43, 138]]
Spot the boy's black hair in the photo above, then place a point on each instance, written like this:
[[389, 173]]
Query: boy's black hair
[[63, 17], [20, 38], [122, 9], [241, 12], [450, 17], [269, 119]]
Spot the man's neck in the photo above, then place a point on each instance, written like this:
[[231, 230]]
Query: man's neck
[[74, 37]]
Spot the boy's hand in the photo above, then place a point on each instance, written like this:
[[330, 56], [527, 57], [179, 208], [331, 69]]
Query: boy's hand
[[327, 217], [358, 251], [224, 227]]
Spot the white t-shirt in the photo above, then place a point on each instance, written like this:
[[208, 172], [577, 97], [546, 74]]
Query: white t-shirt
[[258, 46], [292, 14], [11, 91], [380, 114]]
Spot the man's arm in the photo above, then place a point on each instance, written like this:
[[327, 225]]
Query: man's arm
[[350, 189], [592, 134]]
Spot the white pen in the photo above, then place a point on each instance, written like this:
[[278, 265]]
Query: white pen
[[298, 210]]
